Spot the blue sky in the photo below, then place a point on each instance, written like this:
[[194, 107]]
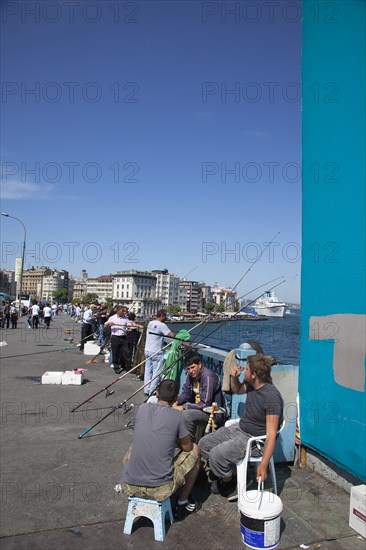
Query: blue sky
[[161, 134]]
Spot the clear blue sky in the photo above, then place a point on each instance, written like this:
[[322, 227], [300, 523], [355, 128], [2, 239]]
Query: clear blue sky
[[131, 133]]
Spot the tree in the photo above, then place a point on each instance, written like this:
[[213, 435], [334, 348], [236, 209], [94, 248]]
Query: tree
[[221, 308], [61, 295], [90, 298], [209, 307], [174, 310], [108, 302]]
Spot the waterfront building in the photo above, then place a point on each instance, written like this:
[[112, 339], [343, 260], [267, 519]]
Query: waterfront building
[[225, 297], [53, 281], [7, 282], [33, 280], [205, 295], [137, 291], [102, 286], [192, 292], [183, 299], [77, 288], [167, 287]]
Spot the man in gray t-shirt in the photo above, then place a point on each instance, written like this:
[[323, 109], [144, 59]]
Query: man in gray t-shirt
[[262, 416], [152, 469]]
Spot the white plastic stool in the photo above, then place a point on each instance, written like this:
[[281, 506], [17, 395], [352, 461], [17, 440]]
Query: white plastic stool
[[242, 465], [154, 510]]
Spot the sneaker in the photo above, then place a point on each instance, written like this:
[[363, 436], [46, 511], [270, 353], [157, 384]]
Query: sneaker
[[184, 510], [218, 487]]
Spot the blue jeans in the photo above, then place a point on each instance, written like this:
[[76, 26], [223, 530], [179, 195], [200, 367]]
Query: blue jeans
[[153, 368], [102, 340]]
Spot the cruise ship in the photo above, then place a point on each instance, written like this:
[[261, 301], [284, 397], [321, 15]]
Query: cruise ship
[[269, 305]]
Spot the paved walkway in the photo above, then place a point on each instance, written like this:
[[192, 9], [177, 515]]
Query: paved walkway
[[58, 490]]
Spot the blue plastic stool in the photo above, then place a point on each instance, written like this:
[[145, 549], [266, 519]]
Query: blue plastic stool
[[154, 510]]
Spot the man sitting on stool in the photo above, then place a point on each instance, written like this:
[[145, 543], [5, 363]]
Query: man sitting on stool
[[152, 470], [201, 388]]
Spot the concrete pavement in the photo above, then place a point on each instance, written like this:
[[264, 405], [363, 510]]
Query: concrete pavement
[[58, 491]]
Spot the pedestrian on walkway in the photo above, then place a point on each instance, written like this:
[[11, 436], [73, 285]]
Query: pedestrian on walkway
[[119, 324], [87, 326], [6, 318], [35, 315], [14, 316], [47, 312]]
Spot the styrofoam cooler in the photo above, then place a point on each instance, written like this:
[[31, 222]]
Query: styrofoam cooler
[[90, 348], [50, 377], [73, 378]]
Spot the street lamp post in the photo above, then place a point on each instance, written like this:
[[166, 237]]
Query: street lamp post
[[23, 254]]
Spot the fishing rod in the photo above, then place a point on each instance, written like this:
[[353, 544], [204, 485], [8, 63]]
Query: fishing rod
[[257, 259], [248, 270], [68, 348], [123, 403], [247, 305], [106, 388], [201, 323]]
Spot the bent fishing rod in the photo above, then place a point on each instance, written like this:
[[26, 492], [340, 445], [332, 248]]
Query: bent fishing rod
[[205, 321], [123, 403], [106, 388], [248, 270], [237, 312], [226, 320]]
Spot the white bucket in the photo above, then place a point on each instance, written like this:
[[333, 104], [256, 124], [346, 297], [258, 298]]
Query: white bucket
[[260, 519]]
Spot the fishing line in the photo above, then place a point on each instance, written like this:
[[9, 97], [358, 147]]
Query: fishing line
[[69, 348], [123, 403]]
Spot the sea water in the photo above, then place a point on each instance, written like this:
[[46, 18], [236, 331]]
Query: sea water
[[279, 337]]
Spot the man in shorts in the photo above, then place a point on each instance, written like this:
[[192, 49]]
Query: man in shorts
[[153, 468]]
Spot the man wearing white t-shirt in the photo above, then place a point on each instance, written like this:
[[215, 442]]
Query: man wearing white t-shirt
[[54, 310], [47, 312], [35, 315], [156, 331]]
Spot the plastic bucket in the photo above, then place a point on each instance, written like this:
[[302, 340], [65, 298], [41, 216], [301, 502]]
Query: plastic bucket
[[260, 519]]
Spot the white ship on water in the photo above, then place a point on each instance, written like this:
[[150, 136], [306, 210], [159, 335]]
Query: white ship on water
[[269, 305]]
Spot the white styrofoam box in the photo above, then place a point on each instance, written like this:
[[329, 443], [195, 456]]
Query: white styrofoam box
[[71, 378], [357, 509], [50, 377], [90, 348]]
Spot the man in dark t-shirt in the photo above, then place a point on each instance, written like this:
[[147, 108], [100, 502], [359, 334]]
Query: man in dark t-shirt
[[153, 470], [262, 416]]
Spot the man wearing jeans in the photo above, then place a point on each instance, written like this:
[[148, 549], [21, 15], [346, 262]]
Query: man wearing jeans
[[262, 416], [156, 330]]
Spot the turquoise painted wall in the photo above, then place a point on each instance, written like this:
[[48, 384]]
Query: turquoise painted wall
[[332, 360]]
